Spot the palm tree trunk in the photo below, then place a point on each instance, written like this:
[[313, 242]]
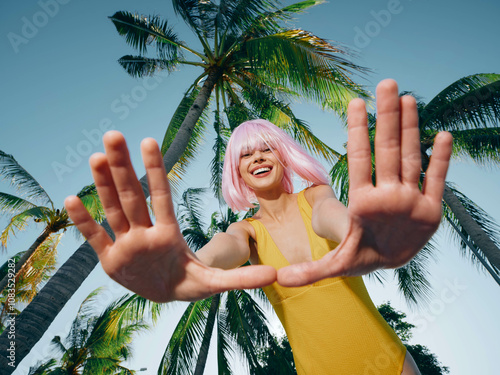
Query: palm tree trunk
[[477, 235], [207, 335], [36, 318], [21, 262]]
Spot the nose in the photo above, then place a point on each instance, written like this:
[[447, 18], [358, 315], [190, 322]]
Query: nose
[[258, 155]]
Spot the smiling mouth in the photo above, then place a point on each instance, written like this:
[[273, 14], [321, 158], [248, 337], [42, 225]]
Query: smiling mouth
[[261, 171]]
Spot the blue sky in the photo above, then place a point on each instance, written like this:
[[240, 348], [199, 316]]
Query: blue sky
[[61, 86]]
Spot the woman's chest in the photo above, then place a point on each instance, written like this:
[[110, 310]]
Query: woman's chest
[[291, 239]]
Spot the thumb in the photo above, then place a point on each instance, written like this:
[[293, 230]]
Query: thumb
[[309, 272], [248, 277]]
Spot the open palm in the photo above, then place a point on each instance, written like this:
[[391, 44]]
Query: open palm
[[391, 221], [151, 260]]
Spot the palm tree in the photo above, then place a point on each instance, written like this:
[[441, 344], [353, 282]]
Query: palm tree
[[470, 110], [34, 204], [251, 54], [95, 344], [250, 64], [26, 285], [241, 323]]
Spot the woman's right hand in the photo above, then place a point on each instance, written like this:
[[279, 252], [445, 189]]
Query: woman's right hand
[[153, 261]]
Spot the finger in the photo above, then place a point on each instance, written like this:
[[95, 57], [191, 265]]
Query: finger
[[127, 185], [93, 232], [248, 277], [387, 136], [435, 175], [411, 160], [108, 194], [157, 181], [358, 145]]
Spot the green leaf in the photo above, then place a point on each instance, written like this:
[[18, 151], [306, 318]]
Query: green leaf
[[140, 66], [12, 204], [481, 145], [21, 179], [180, 354], [141, 31], [469, 103], [413, 277]]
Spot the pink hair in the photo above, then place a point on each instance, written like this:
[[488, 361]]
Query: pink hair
[[249, 136]]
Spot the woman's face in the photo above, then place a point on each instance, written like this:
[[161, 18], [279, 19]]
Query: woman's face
[[260, 168]]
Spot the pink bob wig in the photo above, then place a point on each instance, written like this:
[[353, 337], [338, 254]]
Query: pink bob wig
[[251, 135]]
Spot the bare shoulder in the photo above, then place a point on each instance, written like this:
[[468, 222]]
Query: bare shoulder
[[242, 229], [317, 193]]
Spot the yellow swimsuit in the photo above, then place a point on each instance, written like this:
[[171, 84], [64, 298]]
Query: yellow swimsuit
[[332, 325]]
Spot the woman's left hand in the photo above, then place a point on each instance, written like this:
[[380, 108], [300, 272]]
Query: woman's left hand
[[390, 222]]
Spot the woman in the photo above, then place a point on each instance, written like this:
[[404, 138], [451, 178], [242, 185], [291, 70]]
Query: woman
[[383, 227]]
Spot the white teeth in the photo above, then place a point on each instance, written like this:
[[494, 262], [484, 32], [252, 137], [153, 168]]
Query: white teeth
[[266, 169]]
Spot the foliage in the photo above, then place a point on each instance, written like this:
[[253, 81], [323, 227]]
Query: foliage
[[260, 66], [426, 361], [96, 343]]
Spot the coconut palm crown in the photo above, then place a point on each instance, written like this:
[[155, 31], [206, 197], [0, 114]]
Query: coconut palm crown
[[250, 65], [33, 204]]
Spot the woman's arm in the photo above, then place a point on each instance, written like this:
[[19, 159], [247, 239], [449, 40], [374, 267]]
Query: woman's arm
[[155, 260], [329, 216], [226, 250]]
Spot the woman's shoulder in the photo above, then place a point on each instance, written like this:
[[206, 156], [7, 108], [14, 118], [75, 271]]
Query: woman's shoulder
[[243, 227], [314, 192]]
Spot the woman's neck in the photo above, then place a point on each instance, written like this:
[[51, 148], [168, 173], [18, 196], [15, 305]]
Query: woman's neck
[[274, 204]]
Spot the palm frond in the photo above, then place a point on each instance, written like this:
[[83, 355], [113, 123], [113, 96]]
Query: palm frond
[[237, 17], [141, 31], [269, 22], [37, 269], [481, 145], [181, 351], [469, 103], [217, 162], [190, 218], [339, 175], [198, 14], [195, 142], [224, 345], [413, 277], [140, 66], [19, 178], [11, 204], [308, 65], [247, 324], [43, 368], [485, 221], [20, 221], [90, 199], [137, 309]]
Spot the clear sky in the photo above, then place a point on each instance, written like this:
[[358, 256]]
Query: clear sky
[[61, 85]]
